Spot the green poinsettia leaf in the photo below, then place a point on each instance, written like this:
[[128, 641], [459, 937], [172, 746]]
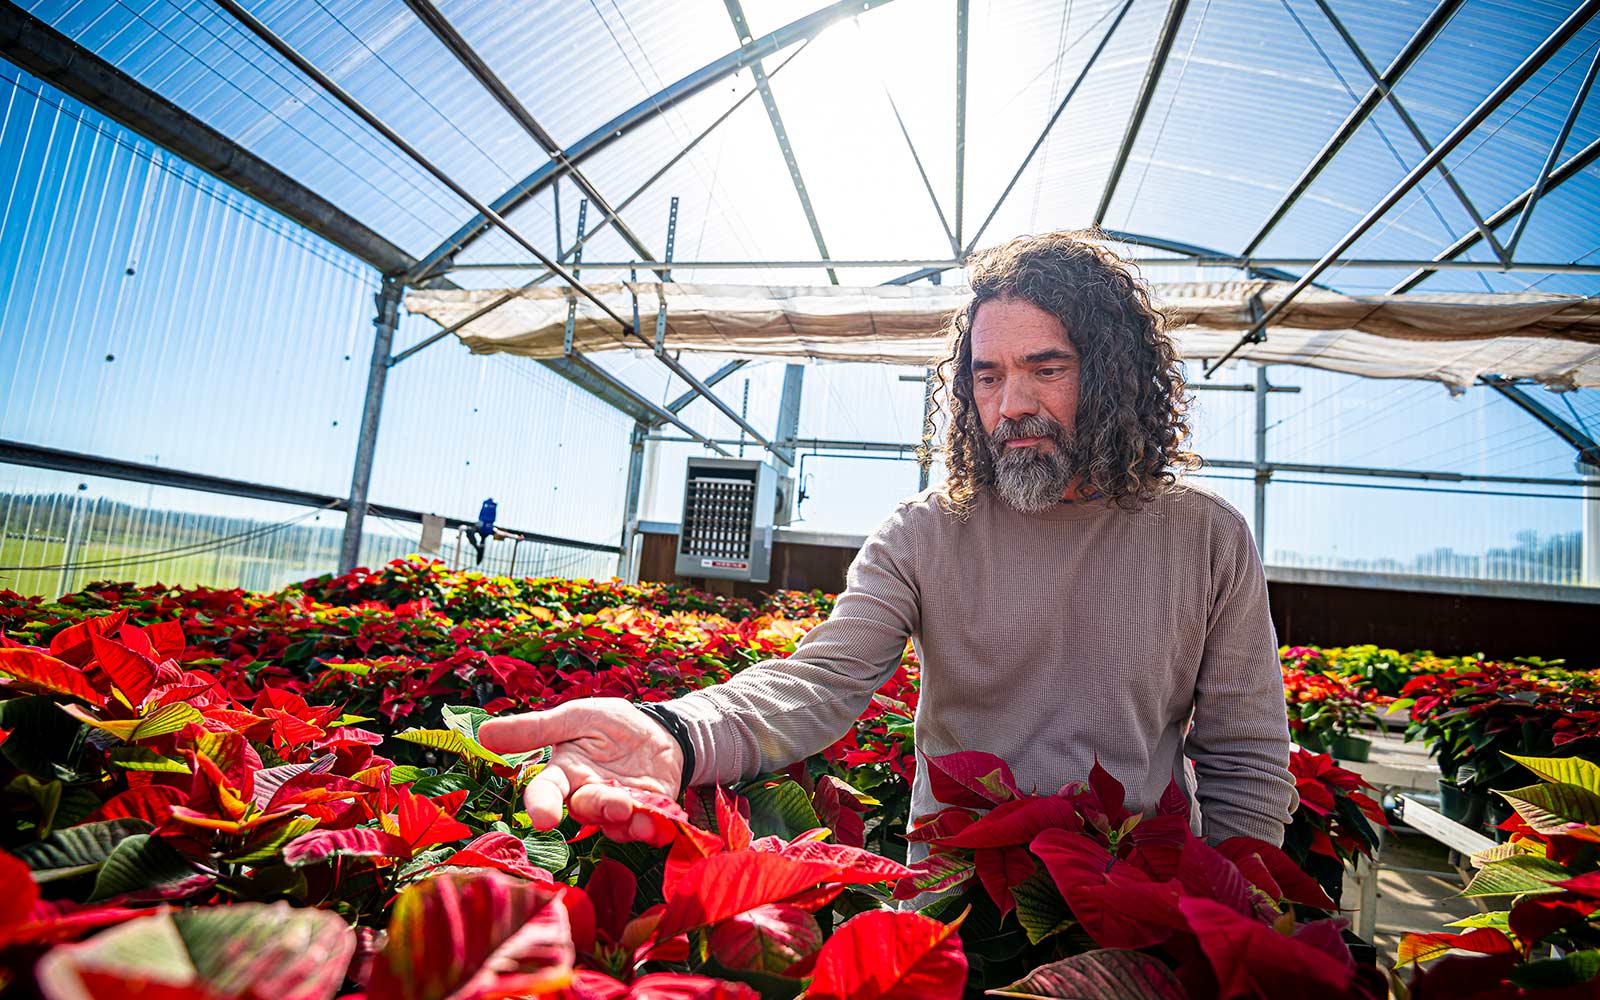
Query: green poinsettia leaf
[[247, 949], [451, 741], [268, 844], [779, 808], [1040, 909], [78, 850], [1563, 770], [443, 784], [143, 865], [1549, 808], [548, 850], [464, 719], [1573, 969], [131, 758], [1515, 876], [1500, 920]]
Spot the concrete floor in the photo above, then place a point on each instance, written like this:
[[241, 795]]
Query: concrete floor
[[1409, 902]]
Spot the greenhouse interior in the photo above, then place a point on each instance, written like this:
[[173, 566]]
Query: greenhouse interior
[[975, 409]]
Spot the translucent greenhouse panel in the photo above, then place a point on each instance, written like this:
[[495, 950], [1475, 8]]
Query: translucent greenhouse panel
[[1443, 87], [385, 541], [1222, 423], [1380, 29], [1022, 61], [207, 63], [862, 403], [1377, 157], [1340, 419], [578, 65], [1205, 170], [736, 201], [459, 428], [860, 174], [1467, 532], [148, 300], [61, 532], [852, 494]]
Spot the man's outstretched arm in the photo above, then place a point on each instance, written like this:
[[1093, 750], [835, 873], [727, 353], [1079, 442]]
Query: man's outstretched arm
[[1240, 740], [766, 717]]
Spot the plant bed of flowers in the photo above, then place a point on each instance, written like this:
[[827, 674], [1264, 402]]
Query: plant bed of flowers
[[214, 793]]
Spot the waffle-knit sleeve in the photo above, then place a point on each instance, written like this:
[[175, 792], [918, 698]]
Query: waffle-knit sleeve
[[780, 711], [1240, 740]]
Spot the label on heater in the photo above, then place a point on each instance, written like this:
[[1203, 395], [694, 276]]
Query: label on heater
[[723, 564]]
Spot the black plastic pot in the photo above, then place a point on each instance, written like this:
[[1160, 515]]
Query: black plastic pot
[[1462, 805], [1498, 812]]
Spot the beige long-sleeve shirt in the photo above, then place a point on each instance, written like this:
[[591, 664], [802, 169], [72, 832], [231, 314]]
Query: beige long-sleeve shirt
[[1046, 639]]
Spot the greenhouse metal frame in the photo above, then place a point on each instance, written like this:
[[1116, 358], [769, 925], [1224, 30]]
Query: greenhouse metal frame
[[39, 48]]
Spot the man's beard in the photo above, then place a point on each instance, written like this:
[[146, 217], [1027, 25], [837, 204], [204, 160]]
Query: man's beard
[[1027, 479]]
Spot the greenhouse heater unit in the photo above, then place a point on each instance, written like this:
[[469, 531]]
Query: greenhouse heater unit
[[726, 530]]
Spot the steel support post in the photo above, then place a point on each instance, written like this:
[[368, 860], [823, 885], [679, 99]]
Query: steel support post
[[630, 503], [1262, 469], [1591, 524], [794, 379], [384, 323]]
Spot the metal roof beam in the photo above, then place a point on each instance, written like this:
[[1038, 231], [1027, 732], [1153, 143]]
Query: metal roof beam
[[663, 100], [1263, 266], [591, 377], [1559, 176], [1147, 92], [963, 22], [1411, 126], [1060, 108], [465, 54], [1407, 57], [1555, 153], [742, 29], [322, 80], [677, 405], [53, 57], [1588, 450], [1525, 71]]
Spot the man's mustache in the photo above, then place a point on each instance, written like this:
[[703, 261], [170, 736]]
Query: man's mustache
[[1033, 425]]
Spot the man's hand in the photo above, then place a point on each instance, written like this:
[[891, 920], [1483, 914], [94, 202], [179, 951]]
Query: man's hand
[[599, 746]]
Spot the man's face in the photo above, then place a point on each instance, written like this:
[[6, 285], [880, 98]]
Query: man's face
[[1025, 386]]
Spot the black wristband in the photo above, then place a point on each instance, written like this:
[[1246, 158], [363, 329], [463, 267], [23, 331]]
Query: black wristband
[[669, 720]]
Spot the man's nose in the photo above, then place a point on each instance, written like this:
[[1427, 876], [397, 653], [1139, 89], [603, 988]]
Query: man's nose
[[1018, 400]]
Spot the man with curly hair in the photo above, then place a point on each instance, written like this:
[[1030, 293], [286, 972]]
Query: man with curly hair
[[1069, 599]]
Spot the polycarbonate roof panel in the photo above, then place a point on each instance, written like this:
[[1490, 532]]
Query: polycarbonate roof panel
[[1239, 70], [1250, 95], [197, 56], [859, 170], [1023, 59], [736, 201], [1220, 87], [576, 64]]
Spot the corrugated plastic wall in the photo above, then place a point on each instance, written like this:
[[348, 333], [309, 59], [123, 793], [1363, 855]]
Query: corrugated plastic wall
[[150, 313]]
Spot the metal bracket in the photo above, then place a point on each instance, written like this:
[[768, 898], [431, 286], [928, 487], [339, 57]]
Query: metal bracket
[[633, 293], [661, 299], [577, 260]]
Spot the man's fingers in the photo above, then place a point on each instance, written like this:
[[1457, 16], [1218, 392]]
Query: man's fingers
[[516, 733], [601, 805], [545, 795]]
